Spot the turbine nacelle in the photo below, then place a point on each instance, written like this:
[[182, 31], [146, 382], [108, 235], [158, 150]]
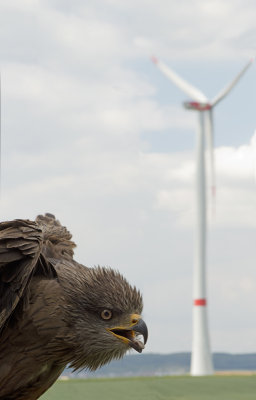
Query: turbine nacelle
[[198, 106]]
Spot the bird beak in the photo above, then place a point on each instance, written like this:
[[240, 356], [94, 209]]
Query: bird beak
[[130, 334]]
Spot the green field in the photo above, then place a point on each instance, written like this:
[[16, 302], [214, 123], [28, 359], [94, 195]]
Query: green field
[[156, 388]]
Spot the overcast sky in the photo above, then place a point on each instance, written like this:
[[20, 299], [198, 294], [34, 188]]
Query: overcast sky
[[92, 132]]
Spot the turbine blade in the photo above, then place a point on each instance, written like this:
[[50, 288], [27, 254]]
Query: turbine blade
[[210, 151], [186, 87], [230, 86]]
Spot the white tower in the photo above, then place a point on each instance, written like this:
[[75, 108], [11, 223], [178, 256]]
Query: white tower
[[201, 360]]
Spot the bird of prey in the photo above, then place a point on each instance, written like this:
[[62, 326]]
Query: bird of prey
[[55, 311]]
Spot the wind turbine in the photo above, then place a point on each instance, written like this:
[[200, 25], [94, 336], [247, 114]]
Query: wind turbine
[[201, 360]]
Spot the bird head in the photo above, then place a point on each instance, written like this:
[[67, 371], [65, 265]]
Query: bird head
[[105, 318]]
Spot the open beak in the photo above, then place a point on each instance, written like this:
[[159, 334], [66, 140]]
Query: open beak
[[130, 335]]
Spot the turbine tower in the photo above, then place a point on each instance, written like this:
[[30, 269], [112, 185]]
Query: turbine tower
[[201, 360]]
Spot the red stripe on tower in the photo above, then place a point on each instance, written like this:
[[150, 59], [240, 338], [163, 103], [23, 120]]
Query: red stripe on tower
[[200, 302]]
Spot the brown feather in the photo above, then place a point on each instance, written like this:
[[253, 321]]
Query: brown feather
[[50, 308]]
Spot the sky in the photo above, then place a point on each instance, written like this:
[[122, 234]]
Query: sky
[[94, 133]]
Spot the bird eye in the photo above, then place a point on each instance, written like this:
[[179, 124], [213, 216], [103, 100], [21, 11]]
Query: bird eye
[[106, 314]]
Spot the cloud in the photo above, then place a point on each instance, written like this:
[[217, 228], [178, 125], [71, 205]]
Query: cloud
[[236, 188]]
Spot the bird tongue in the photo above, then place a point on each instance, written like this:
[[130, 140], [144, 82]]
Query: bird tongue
[[137, 344]]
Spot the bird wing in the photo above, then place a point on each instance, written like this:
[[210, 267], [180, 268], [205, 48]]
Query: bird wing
[[21, 242]]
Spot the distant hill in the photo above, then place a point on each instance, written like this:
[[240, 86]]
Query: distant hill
[[166, 364]]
